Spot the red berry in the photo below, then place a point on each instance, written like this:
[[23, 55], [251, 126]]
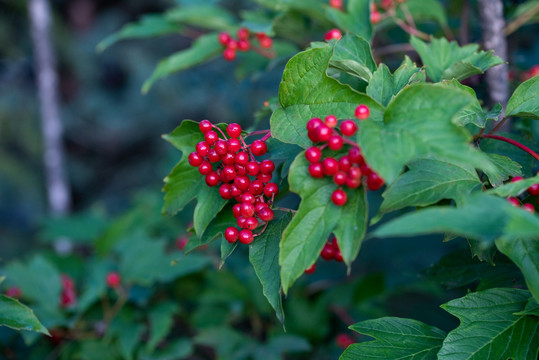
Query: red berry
[[362, 112], [339, 197], [228, 174], [335, 142], [202, 148], [228, 159], [310, 269], [241, 222], [323, 133], [233, 145], [244, 45], [354, 172], [246, 236], [251, 223], [259, 206], [354, 154], [240, 170], [265, 178], [213, 156], [14, 292], [316, 170], [224, 38], [267, 167], [113, 280], [68, 297], [533, 190], [229, 54], [348, 127], [67, 282], [211, 137], [233, 44], [365, 169], [266, 214], [236, 210], [336, 4], [338, 256], [327, 252], [205, 168], [242, 158], [252, 168], [181, 241], [513, 201], [259, 147], [271, 189], [256, 187], [313, 154], [331, 121], [330, 165], [314, 123], [374, 182], [205, 126], [243, 33], [375, 17], [353, 183], [212, 179], [528, 207], [343, 340], [242, 182], [312, 136], [517, 178], [344, 163], [236, 191], [195, 159], [264, 41], [247, 210], [247, 198], [225, 191], [340, 178], [333, 34], [220, 147], [233, 130], [231, 234]]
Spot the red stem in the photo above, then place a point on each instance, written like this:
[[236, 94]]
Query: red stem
[[267, 136], [258, 132], [512, 142], [221, 131]]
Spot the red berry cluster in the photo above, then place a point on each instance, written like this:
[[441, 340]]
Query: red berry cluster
[[240, 175], [532, 190], [348, 169], [242, 43], [68, 296]]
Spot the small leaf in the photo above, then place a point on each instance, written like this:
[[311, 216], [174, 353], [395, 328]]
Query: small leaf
[[161, 318], [506, 168], [355, 19], [523, 103], [489, 328], [352, 54], [446, 60], [17, 316], [395, 338]]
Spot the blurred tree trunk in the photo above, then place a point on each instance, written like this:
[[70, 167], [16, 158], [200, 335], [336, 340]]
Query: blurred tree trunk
[[58, 192], [492, 26]]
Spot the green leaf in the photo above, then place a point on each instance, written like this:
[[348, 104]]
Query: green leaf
[[482, 217], [525, 254], [264, 255], [446, 60], [18, 316], [161, 318], [484, 251], [203, 49], [429, 181], [532, 308], [352, 54], [514, 188], [356, 19], [316, 218], [396, 338], [489, 328], [306, 92], [215, 229], [226, 250], [205, 16], [418, 124], [148, 26], [523, 103], [424, 10], [506, 168]]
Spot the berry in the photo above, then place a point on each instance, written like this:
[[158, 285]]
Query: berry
[[528, 207], [335, 142], [353, 183], [331, 121], [241, 222], [354, 154], [256, 187], [533, 190], [233, 44], [244, 45], [310, 269], [513, 201], [205, 126], [251, 223], [247, 198], [220, 147], [265, 178], [344, 163], [340, 178], [224, 38], [195, 159], [233, 145], [231, 234], [252, 168], [205, 168], [264, 40], [14, 292], [242, 182], [228, 159], [259, 206], [362, 112], [113, 280], [312, 136], [271, 189], [259, 147], [236, 210], [348, 127], [314, 123], [247, 209], [267, 167], [213, 156], [243, 33], [229, 54], [266, 214], [181, 241], [344, 340], [228, 173], [323, 133], [246, 236], [365, 169], [316, 170], [235, 190], [374, 182], [354, 173], [517, 178], [67, 282], [242, 158], [211, 137], [333, 34], [375, 17], [313, 154], [202, 148], [327, 252], [330, 165], [212, 179], [336, 4], [240, 170], [233, 130], [338, 256], [339, 197], [225, 191]]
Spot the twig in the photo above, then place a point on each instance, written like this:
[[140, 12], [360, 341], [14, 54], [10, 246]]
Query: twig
[[464, 26], [512, 142], [411, 30], [284, 209], [521, 20], [498, 126]]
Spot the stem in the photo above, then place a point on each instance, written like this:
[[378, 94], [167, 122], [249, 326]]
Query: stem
[[408, 15], [498, 126], [347, 141], [412, 31], [258, 132], [221, 131], [263, 229], [464, 26], [521, 20], [246, 147], [267, 136], [269, 54], [512, 142], [284, 209]]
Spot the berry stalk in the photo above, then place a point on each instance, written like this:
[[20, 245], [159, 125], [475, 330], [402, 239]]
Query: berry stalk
[[512, 142]]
